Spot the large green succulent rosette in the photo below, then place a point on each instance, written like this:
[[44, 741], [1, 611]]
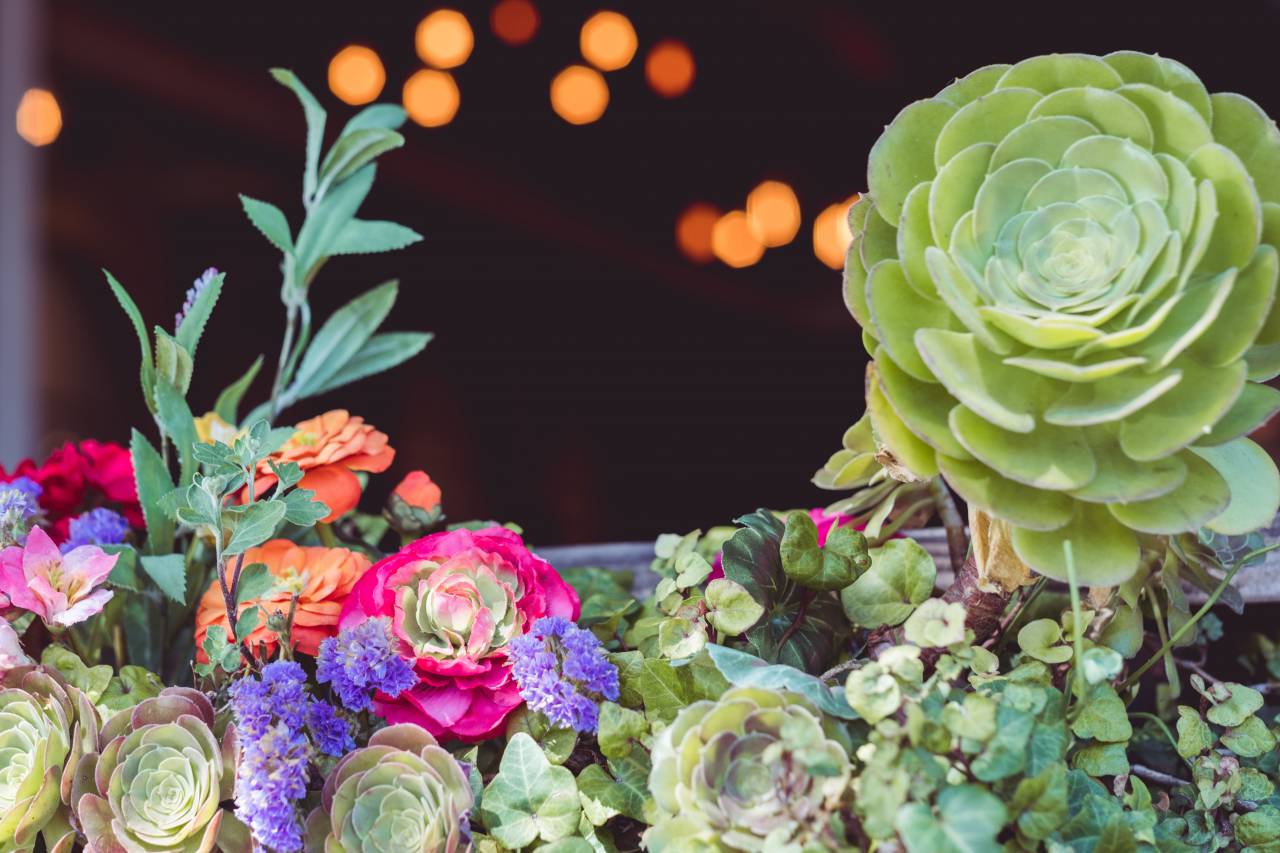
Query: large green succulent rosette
[[1065, 270], [45, 727], [403, 793], [158, 784], [756, 770]]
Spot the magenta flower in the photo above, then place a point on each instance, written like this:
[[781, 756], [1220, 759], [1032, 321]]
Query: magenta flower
[[59, 588]]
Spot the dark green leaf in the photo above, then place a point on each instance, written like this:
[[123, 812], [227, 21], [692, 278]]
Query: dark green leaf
[[153, 483], [169, 572], [270, 220]]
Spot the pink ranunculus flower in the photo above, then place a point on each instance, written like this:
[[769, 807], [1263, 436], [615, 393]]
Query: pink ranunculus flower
[[62, 589], [823, 519], [455, 600]]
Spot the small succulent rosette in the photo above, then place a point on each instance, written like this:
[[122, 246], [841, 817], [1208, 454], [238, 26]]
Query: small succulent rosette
[[45, 728], [159, 781], [401, 793], [755, 770], [1065, 271]]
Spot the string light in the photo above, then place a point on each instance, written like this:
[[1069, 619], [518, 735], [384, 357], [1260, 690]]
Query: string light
[[733, 241], [579, 94], [693, 231], [773, 211], [831, 235], [515, 21], [39, 118], [356, 75], [608, 41], [444, 39], [431, 97], [669, 68]]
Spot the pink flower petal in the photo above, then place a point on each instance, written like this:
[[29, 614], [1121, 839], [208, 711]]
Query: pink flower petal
[[90, 563], [84, 608]]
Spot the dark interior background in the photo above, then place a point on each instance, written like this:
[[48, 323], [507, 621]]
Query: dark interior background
[[586, 380]]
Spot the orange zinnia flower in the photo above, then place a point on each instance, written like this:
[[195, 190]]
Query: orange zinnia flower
[[329, 449], [323, 577]]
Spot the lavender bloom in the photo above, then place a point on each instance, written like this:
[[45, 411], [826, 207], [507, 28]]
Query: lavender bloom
[[563, 673], [27, 486], [17, 507], [197, 287], [362, 660], [98, 526]]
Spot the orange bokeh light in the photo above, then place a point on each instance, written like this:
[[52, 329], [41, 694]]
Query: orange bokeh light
[[733, 241], [669, 68], [356, 75], [693, 231], [444, 38], [579, 94], [773, 212], [515, 21], [831, 235], [39, 118], [431, 97], [608, 41]]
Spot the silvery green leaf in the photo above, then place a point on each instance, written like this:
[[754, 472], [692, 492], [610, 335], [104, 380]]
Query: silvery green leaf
[[379, 353], [390, 116], [353, 150], [327, 219], [193, 321], [270, 220], [368, 236], [252, 524], [901, 577], [341, 337], [315, 116], [744, 670], [256, 581], [302, 509]]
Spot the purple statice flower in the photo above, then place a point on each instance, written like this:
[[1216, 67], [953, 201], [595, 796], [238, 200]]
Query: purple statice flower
[[563, 672], [27, 486], [197, 287], [329, 732], [363, 660], [99, 526], [17, 507]]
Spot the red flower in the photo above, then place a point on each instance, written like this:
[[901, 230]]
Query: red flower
[[79, 477]]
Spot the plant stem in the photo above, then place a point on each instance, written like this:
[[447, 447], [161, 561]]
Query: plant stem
[[999, 639], [327, 536], [1199, 614], [851, 663], [286, 350], [945, 506], [1156, 776], [887, 532], [795, 623], [1077, 618]]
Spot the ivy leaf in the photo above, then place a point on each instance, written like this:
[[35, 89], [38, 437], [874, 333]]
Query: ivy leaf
[[968, 819], [815, 567], [665, 693], [732, 609], [1040, 802], [530, 799], [1103, 716], [619, 729], [1042, 639], [935, 624], [1250, 739], [901, 577], [1259, 827], [680, 638], [270, 220], [1007, 753], [1236, 707], [93, 680], [606, 598], [631, 775], [1101, 759], [1194, 734], [1101, 664], [131, 686], [169, 572], [744, 670], [252, 524], [557, 743]]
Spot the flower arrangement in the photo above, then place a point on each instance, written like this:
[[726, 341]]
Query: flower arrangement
[[1065, 272]]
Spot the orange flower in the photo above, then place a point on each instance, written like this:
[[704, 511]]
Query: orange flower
[[323, 577], [329, 449], [417, 490]]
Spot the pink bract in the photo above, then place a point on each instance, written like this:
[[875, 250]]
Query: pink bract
[[62, 589], [455, 599]]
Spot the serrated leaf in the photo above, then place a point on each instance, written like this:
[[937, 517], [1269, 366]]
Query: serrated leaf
[[169, 573], [153, 483], [256, 582], [173, 362], [175, 417], [147, 369], [229, 400], [270, 220], [302, 509], [193, 321], [379, 353], [327, 219], [352, 151], [530, 799], [252, 524], [370, 236], [341, 337], [315, 116]]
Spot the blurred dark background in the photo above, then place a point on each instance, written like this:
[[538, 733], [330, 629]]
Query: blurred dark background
[[588, 380]]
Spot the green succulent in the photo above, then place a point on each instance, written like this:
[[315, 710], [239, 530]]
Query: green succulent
[[45, 726], [755, 770], [1065, 271], [158, 783], [403, 793]]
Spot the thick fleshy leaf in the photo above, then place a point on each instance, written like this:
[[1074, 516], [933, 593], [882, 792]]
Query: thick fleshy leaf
[[1042, 139], [1175, 420], [855, 274], [1193, 313], [973, 85], [954, 189], [1163, 73], [1048, 457], [914, 236], [1201, 496], [1021, 505], [1120, 478], [1239, 225], [906, 448], [978, 379], [986, 120], [1056, 71], [1253, 408], [1106, 402], [1254, 483], [1241, 125], [1104, 550], [903, 156], [1243, 313], [1177, 127], [1111, 113], [879, 242], [897, 311], [922, 406]]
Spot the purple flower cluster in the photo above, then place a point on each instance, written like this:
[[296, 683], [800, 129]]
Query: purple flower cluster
[[18, 505], [280, 726], [197, 287], [363, 660], [563, 672], [99, 526]]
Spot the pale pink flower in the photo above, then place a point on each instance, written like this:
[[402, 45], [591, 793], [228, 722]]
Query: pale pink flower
[[59, 588], [10, 648]]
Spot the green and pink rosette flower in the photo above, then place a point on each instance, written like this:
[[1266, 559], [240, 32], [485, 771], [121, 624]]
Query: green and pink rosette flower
[[455, 601]]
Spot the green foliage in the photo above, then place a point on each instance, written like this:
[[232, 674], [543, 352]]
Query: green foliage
[[530, 799]]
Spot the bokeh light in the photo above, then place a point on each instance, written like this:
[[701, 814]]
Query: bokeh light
[[356, 75], [444, 38], [515, 21], [431, 97], [773, 211], [733, 241], [39, 118], [693, 231], [831, 236], [608, 41], [579, 94], [669, 68]]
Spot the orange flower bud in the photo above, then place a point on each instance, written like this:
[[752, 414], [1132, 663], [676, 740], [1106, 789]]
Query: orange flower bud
[[417, 490]]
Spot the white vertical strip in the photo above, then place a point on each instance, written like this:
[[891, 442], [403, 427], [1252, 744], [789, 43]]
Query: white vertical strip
[[20, 37]]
